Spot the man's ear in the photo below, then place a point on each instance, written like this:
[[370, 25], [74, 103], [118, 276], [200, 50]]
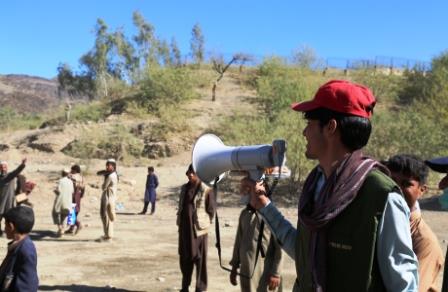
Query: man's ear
[[331, 126], [11, 226], [423, 188]]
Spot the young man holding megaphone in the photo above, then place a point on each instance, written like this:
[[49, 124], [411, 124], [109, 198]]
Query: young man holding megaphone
[[353, 230]]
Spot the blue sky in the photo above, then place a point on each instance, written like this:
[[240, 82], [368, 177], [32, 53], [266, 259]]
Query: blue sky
[[35, 36]]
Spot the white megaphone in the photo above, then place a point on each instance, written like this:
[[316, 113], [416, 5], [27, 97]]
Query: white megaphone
[[211, 158]]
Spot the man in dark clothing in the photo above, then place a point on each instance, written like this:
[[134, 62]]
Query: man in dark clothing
[[195, 214], [9, 187], [18, 271], [152, 182]]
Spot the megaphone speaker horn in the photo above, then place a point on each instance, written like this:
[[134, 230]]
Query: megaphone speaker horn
[[211, 158]]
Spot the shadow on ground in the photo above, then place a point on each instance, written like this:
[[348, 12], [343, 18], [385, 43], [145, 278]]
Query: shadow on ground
[[40, 234], [81, 288], [127, 213], [48, 235]]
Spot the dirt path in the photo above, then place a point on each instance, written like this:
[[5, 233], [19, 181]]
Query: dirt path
[[143, 255]]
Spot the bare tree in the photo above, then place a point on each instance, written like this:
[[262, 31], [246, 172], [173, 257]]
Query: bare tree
[[242, 59], [221, 67], [304, 57]]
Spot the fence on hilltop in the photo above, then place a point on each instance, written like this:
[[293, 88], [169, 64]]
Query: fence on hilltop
[[382, 63]]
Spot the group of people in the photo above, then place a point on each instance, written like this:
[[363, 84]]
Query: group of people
[[69, 192], [359, 224], [18, 271]]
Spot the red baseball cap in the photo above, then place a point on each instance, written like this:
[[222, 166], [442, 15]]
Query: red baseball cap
[[341, 96]]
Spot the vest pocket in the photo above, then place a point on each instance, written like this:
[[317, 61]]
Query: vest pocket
[[202, 220]]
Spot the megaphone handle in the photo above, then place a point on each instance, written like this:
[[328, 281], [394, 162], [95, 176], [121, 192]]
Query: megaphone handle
[[256, 174]]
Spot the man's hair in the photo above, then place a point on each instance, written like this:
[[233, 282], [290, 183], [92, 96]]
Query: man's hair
[[190, 169], [22, 217], [76, 168], [151, 168], [408, 165], [355, 131]]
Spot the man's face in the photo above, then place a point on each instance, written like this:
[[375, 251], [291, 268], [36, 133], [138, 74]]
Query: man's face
[[3, 168], [192, 177], [411, 188], [110, 167], [316, 142]]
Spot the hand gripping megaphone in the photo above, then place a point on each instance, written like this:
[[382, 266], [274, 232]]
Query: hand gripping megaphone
[[211, 158]]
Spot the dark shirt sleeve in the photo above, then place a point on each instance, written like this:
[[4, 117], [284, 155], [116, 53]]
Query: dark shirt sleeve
[[10, 176], [26, 270], [156, 181]]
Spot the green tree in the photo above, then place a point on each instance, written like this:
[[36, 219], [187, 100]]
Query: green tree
[[126, 62], [76, 85], [146, 40], [97, 60], [176, 57], [164, 54], [197, 45]]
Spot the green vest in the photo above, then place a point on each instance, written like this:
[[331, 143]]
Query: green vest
[[351, 251]]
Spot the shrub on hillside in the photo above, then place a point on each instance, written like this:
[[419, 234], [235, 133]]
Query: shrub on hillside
[[407, 131], [11, 120], [278, 85], [93, 111], [428, 89], [384, 87], [166, 86], [116, 142]]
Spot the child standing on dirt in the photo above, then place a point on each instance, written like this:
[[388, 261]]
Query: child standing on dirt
[[410, 173], [18, 271], [152, 182], [107, 208], [253, 278], [79, 186]]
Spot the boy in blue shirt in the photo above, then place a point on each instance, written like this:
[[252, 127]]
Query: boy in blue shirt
[[18, 271]]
